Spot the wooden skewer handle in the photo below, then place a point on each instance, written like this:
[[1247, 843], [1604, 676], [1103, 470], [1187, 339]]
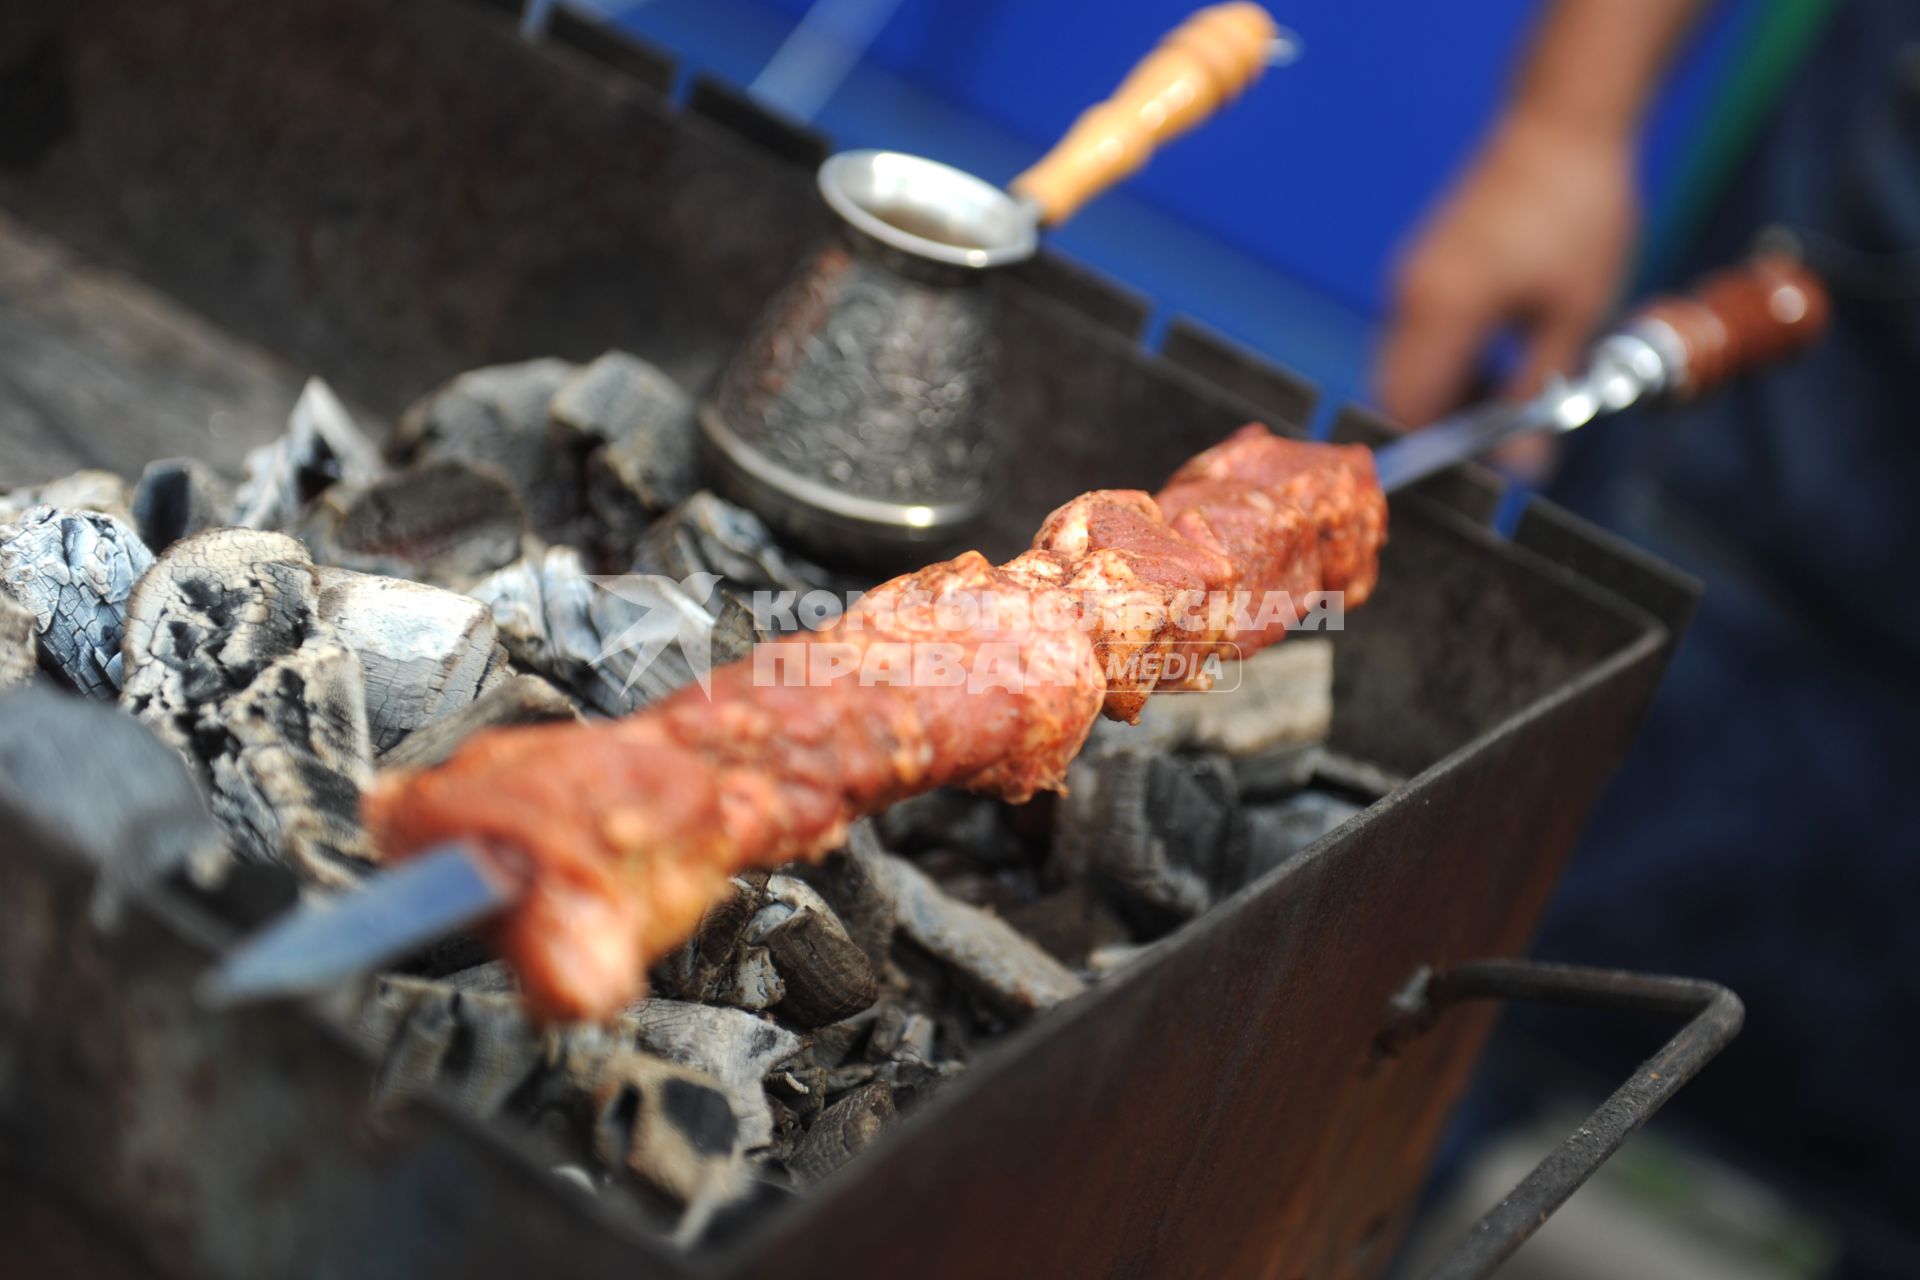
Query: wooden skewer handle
[[1202, 63], [1743, 318]]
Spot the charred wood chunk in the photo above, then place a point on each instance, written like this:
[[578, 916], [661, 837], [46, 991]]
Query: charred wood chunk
[[827, 976], [718, 963], [177, 497], [445, 521], [858, 889], [951, 819], [707, 535], [619, 642], [1277, 699], [101, 491], [425, 652], [843, 1131], [19, 648], [737, 1048], [147, 821], [1071, 923], [1280, 831], [322, 447], [1166, 830], [648, 461], [500, 417], [478, 1049], [985, 952], [670, 1125], [230, 661], [519, 699], [773, 944], [74, 571], [294, 756]]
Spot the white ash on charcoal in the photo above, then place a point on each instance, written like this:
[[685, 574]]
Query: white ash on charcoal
[[669, 1127], [520, 698], [735, 1047], [424, 652], [176, 497], [648, 462], [618, 642], [1279, 698], [500, 417], [231, 663], [446, 521], [774, 945], [707, 535], [100, 491], [322, 446], [19, 644], [74, 570], [113, 791]]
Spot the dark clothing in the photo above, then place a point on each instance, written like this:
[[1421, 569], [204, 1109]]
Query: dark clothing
[[1766, 831]]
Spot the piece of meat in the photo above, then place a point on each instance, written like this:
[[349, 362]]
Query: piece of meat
[[963, 673]]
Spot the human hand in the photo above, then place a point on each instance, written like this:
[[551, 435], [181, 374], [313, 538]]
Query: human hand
[[1533, 238]]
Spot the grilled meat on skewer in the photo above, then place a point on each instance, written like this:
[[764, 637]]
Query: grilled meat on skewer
[[622, 834]]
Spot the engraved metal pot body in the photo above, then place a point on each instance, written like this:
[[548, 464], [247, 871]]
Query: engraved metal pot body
[[855, 418]]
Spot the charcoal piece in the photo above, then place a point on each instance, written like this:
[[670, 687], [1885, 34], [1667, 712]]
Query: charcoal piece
[[735, 1047], [1279, 831], [113, 791], [519, 699], [1166, 830], [1070, 923], [74, 571], [478, 1049], [177, 497], [900, 1035], [619, 642], [322, 447], [831, 1045], [425, 652], [1274, 775], [843, 1131], [951, 819], [101, 491], [774, 943], [230, 662], [1279, 697], [704, 965], [669, 1125], [709, 535], [445, 521], [986, 953], [648, 463], [826, 975], [857, 889], [295, 754], [19, 646], [499, 417]]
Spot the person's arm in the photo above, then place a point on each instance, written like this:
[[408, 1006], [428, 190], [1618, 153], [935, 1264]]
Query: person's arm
[[1535, 235]]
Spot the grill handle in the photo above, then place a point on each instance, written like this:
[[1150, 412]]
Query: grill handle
[[1713, 1016]]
